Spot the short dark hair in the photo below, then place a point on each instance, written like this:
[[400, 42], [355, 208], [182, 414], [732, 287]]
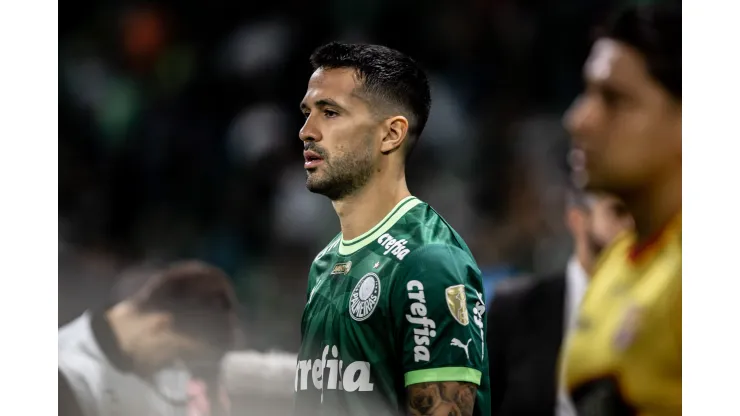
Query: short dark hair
[[655, 31], [199, 296], [387, 74]]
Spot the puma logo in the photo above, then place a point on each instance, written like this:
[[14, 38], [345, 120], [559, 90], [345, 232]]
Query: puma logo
[[457, 343]]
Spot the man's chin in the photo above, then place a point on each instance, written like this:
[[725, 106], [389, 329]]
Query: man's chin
[[314, 185], [314, 174], [329, 190]]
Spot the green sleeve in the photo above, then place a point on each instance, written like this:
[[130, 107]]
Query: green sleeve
[[309, 288], [437, 308]]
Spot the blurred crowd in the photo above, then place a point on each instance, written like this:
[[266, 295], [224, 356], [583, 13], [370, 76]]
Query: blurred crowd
[[179, 125]]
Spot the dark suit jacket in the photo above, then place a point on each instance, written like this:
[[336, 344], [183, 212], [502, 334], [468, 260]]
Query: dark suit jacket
[[525, 330]]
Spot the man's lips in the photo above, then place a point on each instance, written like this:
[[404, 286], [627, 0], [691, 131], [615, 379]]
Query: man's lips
[[311, 159]]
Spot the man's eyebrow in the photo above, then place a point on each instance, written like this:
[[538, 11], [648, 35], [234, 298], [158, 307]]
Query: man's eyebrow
[[324, 102]]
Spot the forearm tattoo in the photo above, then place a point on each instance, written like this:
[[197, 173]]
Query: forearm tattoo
[[447, 398]]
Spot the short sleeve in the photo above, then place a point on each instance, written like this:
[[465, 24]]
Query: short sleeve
[[438, 312]]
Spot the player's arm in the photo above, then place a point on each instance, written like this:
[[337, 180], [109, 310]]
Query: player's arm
[[437, 306], [441, 398]]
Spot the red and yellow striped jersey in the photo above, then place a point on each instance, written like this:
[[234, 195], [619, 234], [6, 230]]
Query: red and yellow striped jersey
[[624, 357]]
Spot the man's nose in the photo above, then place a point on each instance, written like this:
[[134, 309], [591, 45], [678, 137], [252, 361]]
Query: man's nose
[[581, 117], [309, 132]]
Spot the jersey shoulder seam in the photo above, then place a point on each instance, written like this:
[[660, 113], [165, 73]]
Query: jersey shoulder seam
[[430, 246]]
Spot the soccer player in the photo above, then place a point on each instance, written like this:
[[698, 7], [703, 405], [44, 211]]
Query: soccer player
[[625, 354], [393, 322]]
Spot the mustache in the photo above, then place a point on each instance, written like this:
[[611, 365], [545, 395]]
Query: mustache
[[314, 148]]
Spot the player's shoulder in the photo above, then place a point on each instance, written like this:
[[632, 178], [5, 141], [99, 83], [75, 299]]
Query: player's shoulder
[[439, 266], [329, 248], [324, 259], [616, 252], [426, 233], [437, 254]]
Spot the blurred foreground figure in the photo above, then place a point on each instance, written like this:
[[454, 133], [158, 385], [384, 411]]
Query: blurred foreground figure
[[529, 317], [155, 351], [624, 356], [394, 318]]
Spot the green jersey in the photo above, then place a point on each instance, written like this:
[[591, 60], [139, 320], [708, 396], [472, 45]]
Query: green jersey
[[399, 305]]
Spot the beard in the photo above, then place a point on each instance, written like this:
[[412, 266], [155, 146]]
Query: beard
[[341, 176]]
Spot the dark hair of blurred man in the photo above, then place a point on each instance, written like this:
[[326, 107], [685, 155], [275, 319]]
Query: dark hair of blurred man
[[392, 297], [529, 317], [625, 355], [119, 359]]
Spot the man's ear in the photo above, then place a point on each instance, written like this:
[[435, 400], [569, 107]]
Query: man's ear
[[160, 320], [396, 132]]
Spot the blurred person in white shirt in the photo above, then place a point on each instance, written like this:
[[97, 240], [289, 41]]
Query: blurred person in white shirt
[[161, 341]]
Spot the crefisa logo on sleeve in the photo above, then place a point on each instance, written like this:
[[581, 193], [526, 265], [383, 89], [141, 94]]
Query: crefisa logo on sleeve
[[424, 330]]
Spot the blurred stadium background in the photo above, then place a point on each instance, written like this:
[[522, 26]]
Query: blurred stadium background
[[178, 137]]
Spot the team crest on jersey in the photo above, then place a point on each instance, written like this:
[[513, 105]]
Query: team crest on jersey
[[364, 297], [457, 303], [342, 268]]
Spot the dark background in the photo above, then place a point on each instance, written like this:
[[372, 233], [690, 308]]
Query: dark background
[[178, 136]]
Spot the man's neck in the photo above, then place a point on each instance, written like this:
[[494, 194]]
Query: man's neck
[[654, 208], [584, 258], [361, 211]]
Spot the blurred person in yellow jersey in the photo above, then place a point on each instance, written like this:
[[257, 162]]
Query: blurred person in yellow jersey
[[624, 357]]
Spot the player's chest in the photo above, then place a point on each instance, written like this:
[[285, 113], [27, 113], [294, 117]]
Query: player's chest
[[349, 291], [624, 351]]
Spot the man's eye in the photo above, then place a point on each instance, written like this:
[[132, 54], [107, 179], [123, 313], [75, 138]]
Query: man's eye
[[620, 210], [611, 98], [330, 113]]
